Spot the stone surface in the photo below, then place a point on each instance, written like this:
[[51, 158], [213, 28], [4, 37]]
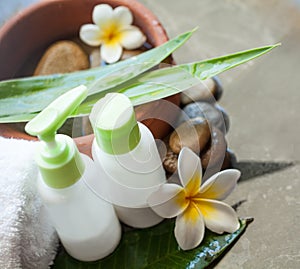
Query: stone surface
[[193, 133], [262, 99], [95, 57], [131, 53], [170, 161], [206, 90], [214, 154], [62, 57], [219, 88], [227, 161], [267, 144], [214, 114], [225, 116], [214, 157]]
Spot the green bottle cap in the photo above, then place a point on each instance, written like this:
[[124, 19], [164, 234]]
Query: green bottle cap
[[114, 123], [59, 160]]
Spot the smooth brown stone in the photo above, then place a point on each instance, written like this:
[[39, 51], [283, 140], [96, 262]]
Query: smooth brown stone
[[96, 61], [131, 53], [213, 156], [170, 161], [206, 90], [233, 159], [62, 57], [159, 122], [227, 161], [219, 88], [213, 113], [95, 57], [193, 134]]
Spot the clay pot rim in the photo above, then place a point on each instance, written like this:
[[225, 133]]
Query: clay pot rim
[[135, 6], [144, 18]]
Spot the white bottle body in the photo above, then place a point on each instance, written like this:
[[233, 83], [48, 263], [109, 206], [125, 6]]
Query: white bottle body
[[133, 176], [87, 225]]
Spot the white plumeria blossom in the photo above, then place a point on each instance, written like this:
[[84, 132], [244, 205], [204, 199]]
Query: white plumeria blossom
[[113, 31], [194, 205]]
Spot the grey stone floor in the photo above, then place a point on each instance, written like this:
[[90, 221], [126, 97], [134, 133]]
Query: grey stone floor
[[262, 99]]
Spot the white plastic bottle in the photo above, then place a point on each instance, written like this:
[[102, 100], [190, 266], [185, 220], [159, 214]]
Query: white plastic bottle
[[125, 149], [86, 224]]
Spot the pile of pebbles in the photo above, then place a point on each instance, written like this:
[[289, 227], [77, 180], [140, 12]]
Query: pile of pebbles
[[201, 125]]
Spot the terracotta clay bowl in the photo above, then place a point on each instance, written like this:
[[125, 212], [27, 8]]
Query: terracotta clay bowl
[[34, 29]]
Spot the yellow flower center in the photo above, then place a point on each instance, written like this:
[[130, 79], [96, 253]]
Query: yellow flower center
[[111, 34], [191, 213], [187, 198], [193, 187]]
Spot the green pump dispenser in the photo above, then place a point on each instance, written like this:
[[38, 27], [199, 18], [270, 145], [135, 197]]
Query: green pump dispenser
[[59, 160], [114, 123]]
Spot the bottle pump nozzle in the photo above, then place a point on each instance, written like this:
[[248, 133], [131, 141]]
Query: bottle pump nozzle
[[47, 122], [58, 155]]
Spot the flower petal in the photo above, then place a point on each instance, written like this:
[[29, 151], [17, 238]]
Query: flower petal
[[168, 201], [218, 216], [111, 53], [123, 15], [90, 34], [220, 185], [189, 169], [102, 14], [132, 38], [189, 228]]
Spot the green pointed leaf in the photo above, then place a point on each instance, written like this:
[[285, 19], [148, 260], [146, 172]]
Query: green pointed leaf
[[164, 82], [155, 248], [25, 96], [157, 84]]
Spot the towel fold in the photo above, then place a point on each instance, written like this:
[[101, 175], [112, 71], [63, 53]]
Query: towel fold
[[27, 239]]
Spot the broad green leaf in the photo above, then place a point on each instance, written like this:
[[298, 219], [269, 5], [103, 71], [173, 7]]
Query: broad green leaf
[[29, 95], [164, 82], [160, 83], [155, 248]]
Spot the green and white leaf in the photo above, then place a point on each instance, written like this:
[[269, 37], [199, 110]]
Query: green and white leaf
[[164, 82], [22, 99], [19, 98], [155, 248]]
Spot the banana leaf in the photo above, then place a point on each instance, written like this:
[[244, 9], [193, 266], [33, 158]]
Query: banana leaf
[[156, 247]]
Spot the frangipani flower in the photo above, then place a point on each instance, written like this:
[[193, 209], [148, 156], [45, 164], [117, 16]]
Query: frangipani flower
[[113, 31], [194, 205]]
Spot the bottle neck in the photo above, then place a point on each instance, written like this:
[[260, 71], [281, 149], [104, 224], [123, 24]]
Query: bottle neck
[[61, 165], [120, 140]]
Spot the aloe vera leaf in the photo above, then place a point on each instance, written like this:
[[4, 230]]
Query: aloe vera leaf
[[32, 94], [164, 82]]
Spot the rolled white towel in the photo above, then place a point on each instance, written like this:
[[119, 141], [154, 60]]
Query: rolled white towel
[[27, 239]]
